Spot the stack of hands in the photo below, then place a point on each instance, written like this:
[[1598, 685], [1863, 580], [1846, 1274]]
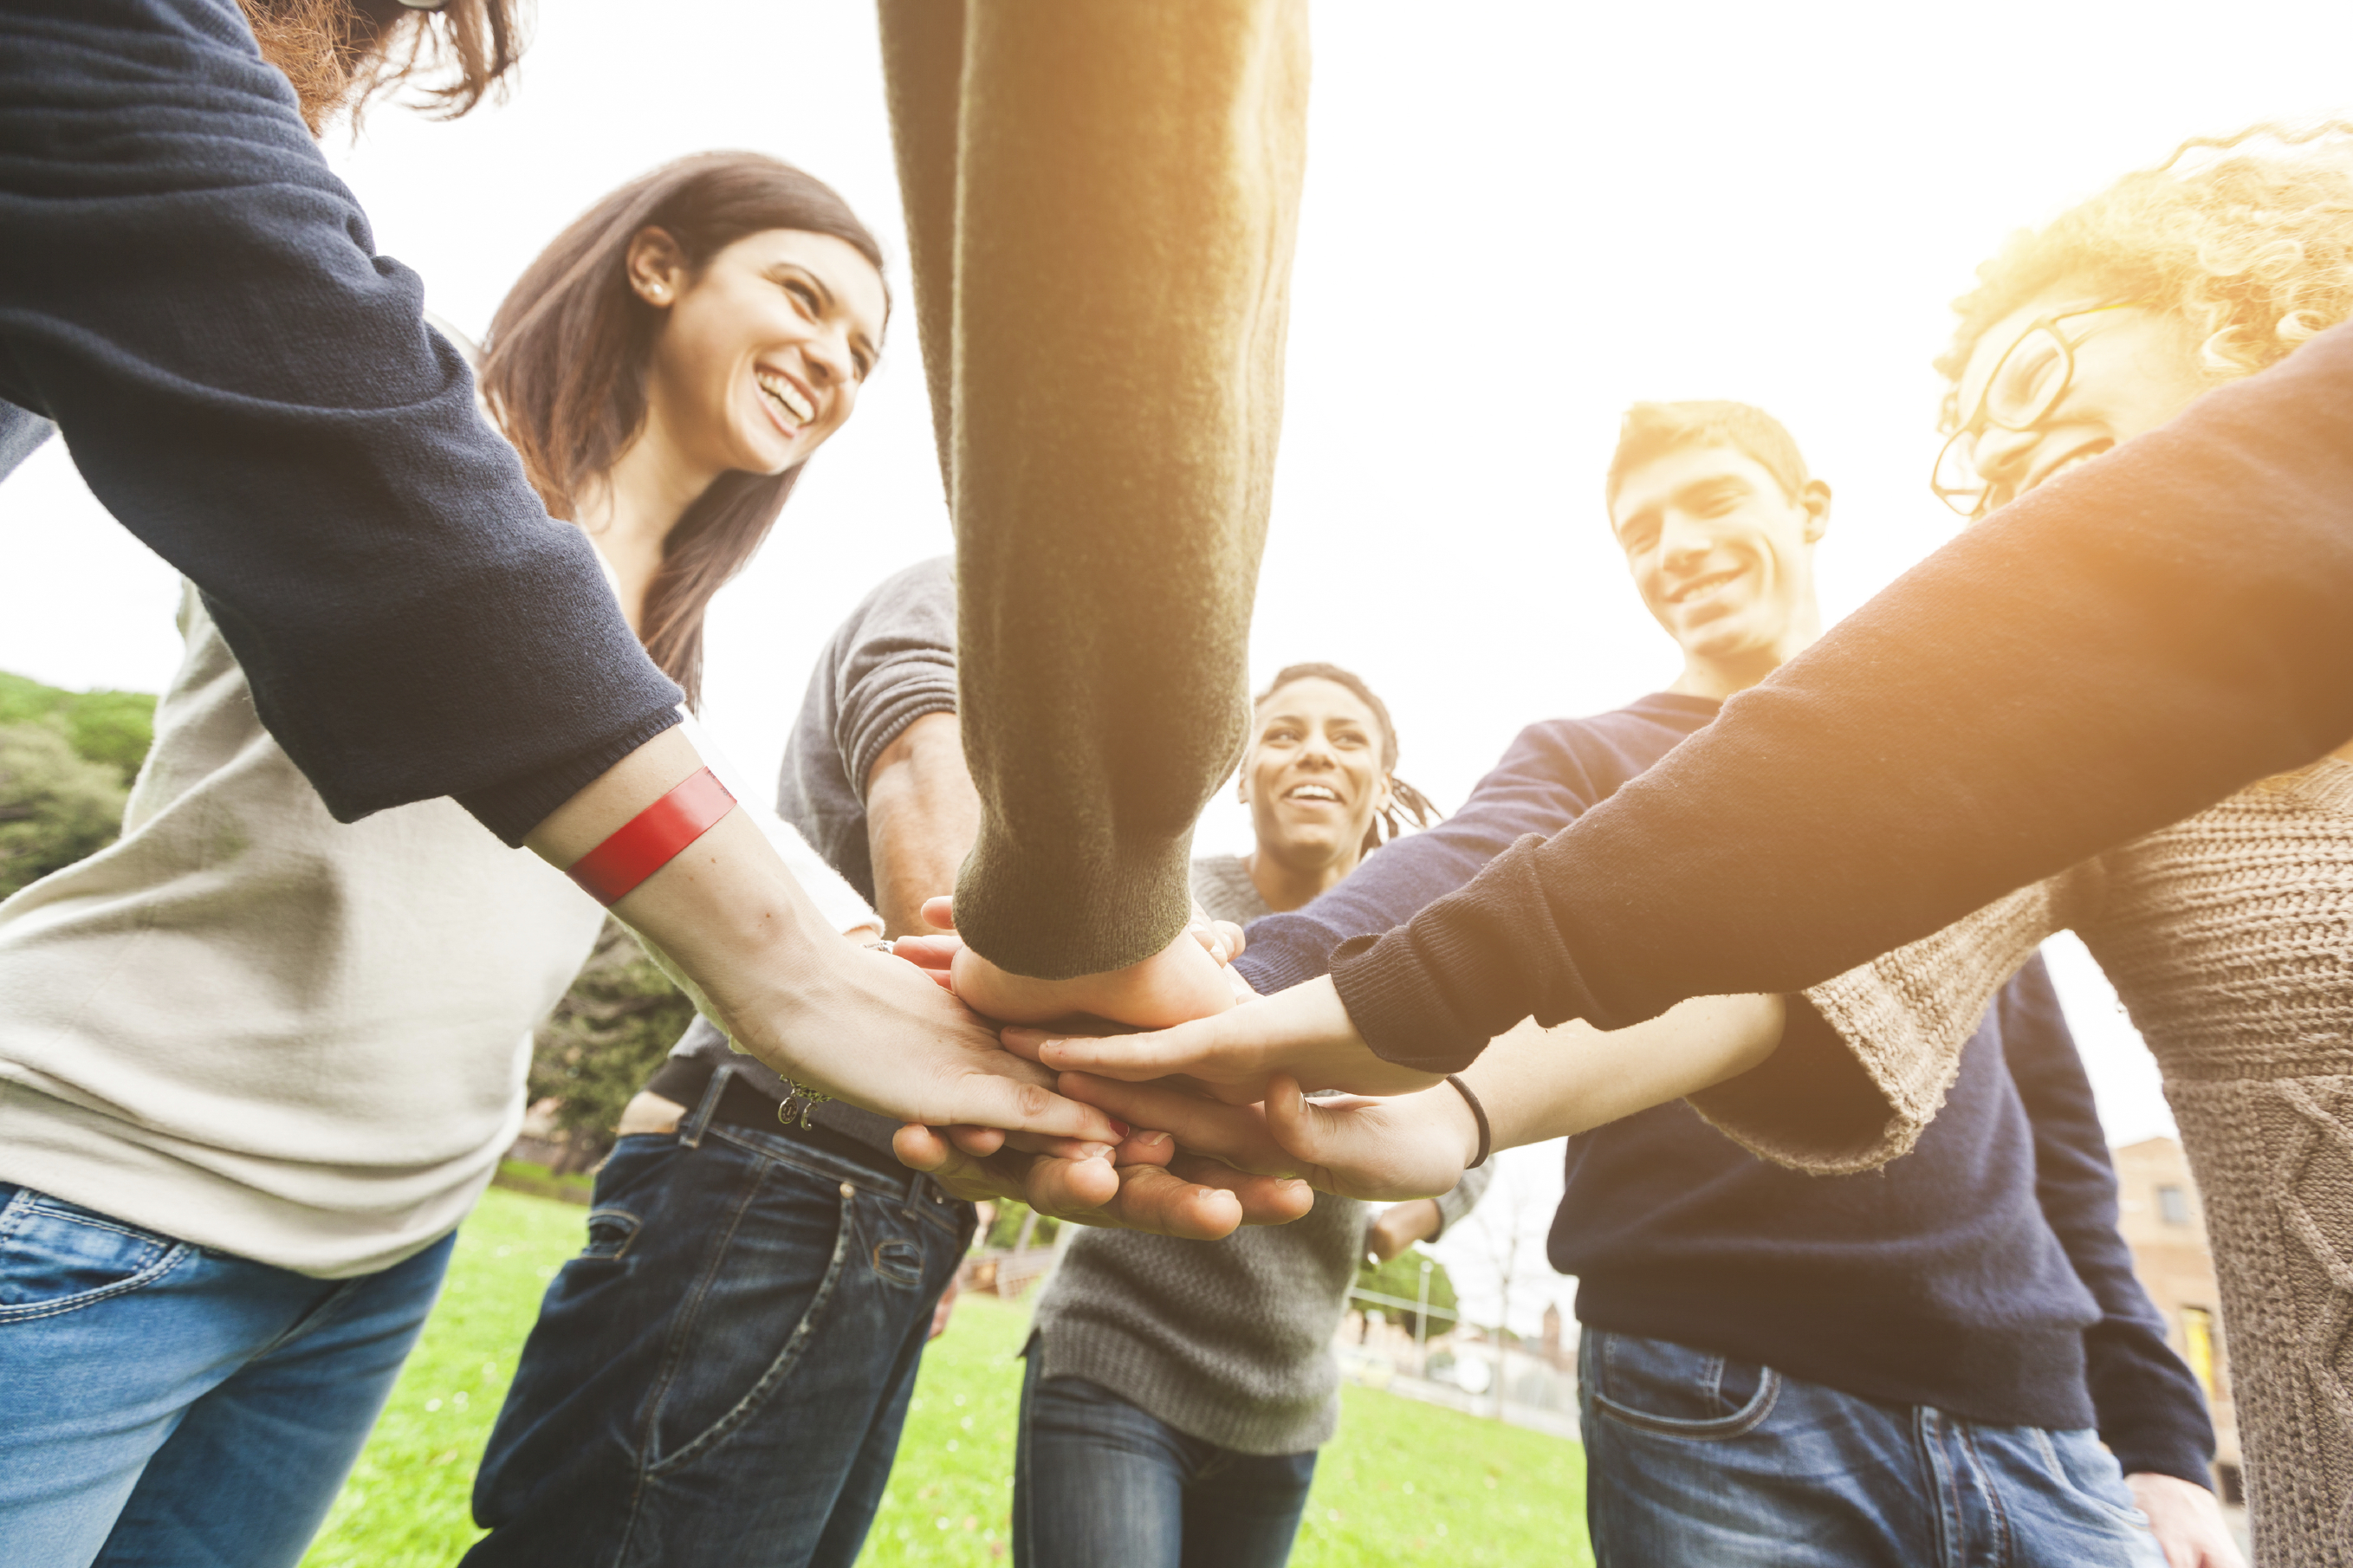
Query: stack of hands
[[1206, 1125]]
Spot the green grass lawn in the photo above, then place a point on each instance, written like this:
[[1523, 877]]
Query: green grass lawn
[[1404, 1482]]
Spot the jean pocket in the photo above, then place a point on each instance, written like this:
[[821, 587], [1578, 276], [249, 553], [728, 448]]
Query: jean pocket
[[1672, 1390], [610, 1231], [57, 1257], [759, 1305], [2077, 1461]]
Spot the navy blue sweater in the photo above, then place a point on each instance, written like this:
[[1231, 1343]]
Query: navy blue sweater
[[195, 302], [1982, 1274]]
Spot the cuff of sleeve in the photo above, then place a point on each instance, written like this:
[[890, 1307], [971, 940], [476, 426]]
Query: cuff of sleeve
[[512, 808], [874, 732], [2167, 1454], [1398, 1007], [1050, 916]]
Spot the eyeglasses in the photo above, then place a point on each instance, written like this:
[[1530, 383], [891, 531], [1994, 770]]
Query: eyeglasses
[[2033, 374]]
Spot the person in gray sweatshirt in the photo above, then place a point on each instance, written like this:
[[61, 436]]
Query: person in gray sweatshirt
[[1177, 1391]]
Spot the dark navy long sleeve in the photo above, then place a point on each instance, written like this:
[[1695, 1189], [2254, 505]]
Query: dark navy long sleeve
[[2151, 1411], [1552, 773], [197, 302]]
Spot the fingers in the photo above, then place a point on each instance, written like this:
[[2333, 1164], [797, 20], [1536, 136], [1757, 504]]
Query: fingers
[[1157, 1200], [939, 913], [959, 1174], [1264, 1200], [929, 953], [977, 1142], [1145, 1149], [1234, 1134], [987, 1098], [1069, 1189], [1196, 1049]]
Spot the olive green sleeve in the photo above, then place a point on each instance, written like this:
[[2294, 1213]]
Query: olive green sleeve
[[1102, 200]]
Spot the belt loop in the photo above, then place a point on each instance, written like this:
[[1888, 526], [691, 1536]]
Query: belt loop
[[690, 1133], [916, 1180]]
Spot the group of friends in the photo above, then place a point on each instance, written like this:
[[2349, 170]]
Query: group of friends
[[1762, 944]]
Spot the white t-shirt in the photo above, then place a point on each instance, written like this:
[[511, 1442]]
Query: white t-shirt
[[250, 1027]]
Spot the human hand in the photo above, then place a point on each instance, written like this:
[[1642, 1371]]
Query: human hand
[[894, 1042], [1304, 1033], [1183, 980], [1160, 1190], [2187, 1521], [1411, 1146], [1399, 1226]]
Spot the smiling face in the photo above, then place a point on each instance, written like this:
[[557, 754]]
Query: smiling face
[[1724, 560], [761, 352], [2134, 370], [1312, 776]]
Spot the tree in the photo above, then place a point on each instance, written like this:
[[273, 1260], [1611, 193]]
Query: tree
[[111, 727], [56, 807], [1401, 1276], [603, 1040]]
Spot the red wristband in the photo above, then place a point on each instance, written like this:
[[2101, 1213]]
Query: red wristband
[[653, 839]]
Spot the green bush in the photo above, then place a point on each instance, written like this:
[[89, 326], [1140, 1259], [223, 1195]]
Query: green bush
[[110, 727], [54, 806]]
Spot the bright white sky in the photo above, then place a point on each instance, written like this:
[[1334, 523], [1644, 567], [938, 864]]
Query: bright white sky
[[1519, 219]]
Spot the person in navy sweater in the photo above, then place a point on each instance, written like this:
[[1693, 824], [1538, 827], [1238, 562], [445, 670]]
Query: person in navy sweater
[[1782, 1368]]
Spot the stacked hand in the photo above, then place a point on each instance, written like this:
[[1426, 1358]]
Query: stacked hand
[[1152, 1181]]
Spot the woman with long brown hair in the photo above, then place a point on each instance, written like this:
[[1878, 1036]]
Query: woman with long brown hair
[[256, 1064]]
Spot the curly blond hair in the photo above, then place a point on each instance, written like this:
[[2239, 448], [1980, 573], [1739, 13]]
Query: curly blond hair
[[2247, 239]]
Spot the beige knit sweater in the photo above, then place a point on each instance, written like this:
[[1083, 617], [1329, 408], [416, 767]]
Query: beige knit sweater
[[2229, 937]]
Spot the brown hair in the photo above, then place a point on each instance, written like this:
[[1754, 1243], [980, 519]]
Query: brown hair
[[564, 366], [342, 52], [1653, 429], [1416, 805]]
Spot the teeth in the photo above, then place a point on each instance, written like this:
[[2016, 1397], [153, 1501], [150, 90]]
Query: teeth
[[787, 394], [1312, 792]]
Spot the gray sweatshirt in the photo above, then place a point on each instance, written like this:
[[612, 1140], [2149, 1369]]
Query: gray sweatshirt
[[1225, 1340]]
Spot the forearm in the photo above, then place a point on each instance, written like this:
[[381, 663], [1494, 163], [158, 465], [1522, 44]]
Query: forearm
[[1127, 185], [1536, 1084], [725, 918], [922, 813], [2114, 651]]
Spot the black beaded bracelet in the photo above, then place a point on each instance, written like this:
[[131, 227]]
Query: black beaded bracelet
[[1479, 1115]]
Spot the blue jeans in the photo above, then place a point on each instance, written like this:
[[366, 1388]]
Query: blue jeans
[[166, 1405], [1098, 1480], [1692, 1458], [721, 1375]]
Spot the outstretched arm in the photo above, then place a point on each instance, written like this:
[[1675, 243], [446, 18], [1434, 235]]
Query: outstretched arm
[[1100, 208], [1533, 1083]]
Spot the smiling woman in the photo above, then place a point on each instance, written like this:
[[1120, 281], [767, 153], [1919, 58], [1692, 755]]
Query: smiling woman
[[669, 363]]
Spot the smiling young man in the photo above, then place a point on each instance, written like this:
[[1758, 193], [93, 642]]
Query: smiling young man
[[1906, 1366]]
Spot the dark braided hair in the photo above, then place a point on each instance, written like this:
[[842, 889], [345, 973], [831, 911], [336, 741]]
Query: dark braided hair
[[1402, 796]]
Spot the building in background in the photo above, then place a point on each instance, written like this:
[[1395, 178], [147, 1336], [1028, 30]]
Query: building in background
[[2165, 1225]]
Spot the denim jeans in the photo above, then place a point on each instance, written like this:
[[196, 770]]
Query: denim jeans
[[720, 1376], [1692, 1458], [1098, 1480], [166, 1405]]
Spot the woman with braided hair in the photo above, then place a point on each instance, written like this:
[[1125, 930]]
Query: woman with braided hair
[[1178, 1389]]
